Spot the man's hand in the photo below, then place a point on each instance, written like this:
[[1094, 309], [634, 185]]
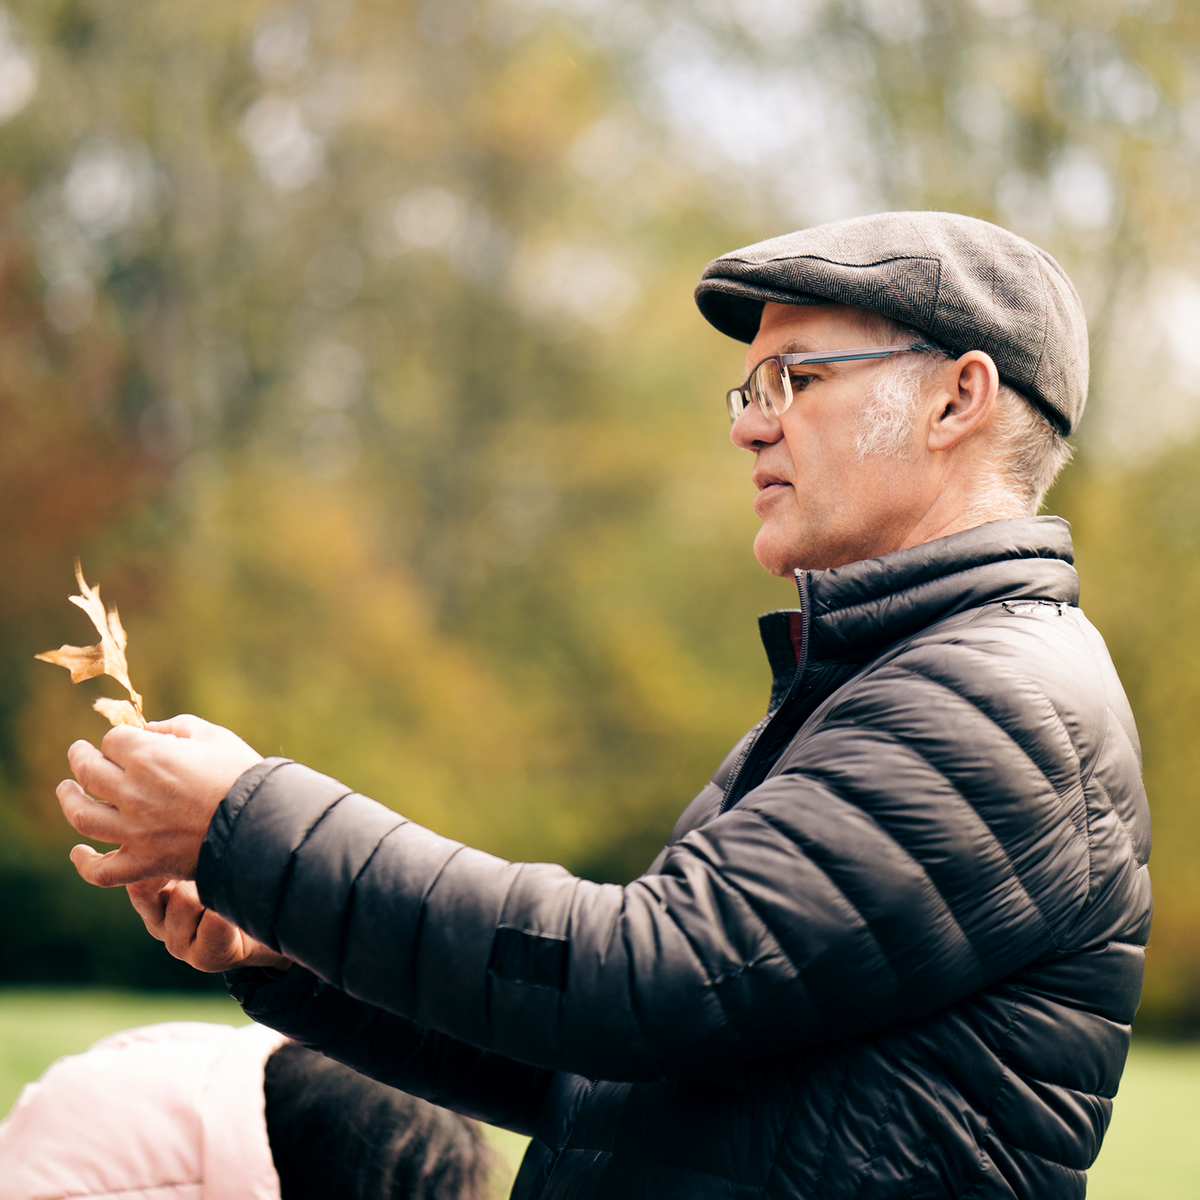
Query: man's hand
[[174, 915], [153, 791]]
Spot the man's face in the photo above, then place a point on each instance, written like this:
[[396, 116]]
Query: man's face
[[822, 505]]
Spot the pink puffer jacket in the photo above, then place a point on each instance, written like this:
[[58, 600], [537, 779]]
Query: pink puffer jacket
[[165, 1112]]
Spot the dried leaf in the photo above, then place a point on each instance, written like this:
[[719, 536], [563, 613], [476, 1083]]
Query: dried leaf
[[84, 662], [107, 657], [115, 627], [119, 712]]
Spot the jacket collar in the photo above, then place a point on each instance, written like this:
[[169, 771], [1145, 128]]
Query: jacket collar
[[864, 606]]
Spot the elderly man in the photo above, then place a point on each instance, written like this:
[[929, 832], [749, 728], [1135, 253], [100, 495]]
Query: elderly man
[[893, 948]]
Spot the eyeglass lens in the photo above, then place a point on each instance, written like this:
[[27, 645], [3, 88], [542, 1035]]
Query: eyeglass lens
[[768, 386], [771, 387]]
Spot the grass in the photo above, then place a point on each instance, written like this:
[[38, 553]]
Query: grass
[[1152, 1151], [39, 1025]]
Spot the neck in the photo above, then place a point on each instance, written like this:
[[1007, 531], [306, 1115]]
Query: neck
[[972, 502]]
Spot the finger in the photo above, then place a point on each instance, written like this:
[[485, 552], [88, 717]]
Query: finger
[[97, 773], [184, 725], [117, 868], [92, 818], [120, 742], [149, 900]]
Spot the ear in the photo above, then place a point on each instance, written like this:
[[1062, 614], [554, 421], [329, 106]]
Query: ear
[[964, 401]]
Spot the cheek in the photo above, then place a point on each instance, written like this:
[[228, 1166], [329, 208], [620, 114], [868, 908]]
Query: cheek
[[822, 453]]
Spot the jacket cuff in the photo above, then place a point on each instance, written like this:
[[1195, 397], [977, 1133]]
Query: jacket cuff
[[260, 990], [248, 855], [296, 1003], [214, 848]]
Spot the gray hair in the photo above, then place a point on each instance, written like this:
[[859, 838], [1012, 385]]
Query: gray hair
[[1025, 452]]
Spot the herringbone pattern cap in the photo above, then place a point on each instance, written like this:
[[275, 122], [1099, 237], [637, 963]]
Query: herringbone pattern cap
[[966, 283]]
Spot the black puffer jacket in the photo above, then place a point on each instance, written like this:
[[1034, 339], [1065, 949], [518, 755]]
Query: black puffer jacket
[[891, 950]]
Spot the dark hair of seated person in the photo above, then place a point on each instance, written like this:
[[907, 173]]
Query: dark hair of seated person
[[338, 1135]]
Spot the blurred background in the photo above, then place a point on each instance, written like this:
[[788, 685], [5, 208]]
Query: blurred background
[[350, 344]]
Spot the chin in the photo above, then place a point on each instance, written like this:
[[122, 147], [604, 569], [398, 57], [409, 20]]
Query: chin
[[782, 551], [773, 557]]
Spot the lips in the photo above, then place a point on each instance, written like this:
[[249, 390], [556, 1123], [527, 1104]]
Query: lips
[[764, 480], [770, 487]]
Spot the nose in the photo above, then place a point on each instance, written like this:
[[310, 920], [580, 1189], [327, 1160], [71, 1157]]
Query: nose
[[752, 431]]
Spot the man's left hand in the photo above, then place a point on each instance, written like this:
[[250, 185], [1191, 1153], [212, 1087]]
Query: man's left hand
[[152, 790], [200, 937]]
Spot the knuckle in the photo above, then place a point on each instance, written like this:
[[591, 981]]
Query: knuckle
[[116, 741]]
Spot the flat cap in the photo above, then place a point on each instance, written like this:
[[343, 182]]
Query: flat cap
[[965, 283]]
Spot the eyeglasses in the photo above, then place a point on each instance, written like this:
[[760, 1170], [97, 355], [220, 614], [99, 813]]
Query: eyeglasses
[[770, 383]]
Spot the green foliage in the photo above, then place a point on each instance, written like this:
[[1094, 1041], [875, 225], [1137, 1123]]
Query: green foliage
[[351, 346], [55, 931], [1138, 538]]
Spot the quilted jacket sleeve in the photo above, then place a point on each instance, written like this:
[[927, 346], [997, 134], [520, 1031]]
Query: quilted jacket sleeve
[[924, 838], [397, 1052]]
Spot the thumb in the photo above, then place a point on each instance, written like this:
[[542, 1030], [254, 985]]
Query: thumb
[[149, 899]]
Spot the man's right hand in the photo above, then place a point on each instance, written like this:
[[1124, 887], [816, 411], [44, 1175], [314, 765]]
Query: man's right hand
[[200, 937]]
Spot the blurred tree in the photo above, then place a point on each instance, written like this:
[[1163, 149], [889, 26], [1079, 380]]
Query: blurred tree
[[351, 345]]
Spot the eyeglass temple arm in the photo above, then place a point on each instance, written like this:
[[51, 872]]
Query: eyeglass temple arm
[[882, 352]]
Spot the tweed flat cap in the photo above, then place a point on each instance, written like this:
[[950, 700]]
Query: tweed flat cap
[[965, 283]]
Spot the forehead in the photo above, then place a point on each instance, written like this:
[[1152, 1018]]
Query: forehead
[[800, 328]]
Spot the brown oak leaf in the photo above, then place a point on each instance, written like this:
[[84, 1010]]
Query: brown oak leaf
[[107, 657]]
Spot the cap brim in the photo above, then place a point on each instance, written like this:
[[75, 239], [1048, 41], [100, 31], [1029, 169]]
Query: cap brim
[[735, 308]]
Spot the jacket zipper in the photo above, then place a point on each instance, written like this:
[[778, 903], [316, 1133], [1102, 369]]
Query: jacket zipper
[[746, 757], [558, 1154]]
